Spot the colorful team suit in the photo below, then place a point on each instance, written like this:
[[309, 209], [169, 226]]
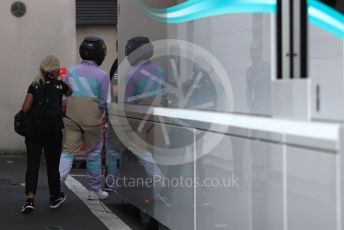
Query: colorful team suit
[[85, 109], [144, 81], [144, 85]]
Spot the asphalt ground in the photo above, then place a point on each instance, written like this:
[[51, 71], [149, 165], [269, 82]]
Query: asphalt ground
[[73, 214]]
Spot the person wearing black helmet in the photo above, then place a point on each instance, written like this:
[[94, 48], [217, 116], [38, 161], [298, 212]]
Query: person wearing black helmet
[[143, 80], [143, 86], [86, 114]]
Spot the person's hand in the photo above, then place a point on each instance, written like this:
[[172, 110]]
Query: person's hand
[[64, 109]]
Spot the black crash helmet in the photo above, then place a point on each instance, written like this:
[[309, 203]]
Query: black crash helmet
[[93, 48], [144, 50]]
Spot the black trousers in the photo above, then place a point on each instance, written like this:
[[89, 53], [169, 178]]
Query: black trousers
[[52, 145]]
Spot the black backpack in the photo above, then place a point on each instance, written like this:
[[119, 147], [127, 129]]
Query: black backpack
[[46, 112]]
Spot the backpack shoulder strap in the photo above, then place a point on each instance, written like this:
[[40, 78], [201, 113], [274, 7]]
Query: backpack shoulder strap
[[81, 129]]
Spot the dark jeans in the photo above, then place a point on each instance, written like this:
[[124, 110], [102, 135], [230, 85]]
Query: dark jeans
[[52, 145]]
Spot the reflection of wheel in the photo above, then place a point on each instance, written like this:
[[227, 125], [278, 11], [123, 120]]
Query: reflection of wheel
[[206, 88]]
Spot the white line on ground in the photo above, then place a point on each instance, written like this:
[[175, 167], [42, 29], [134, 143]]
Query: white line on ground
[[104, 214]]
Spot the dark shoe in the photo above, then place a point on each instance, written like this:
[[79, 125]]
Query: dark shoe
[[56, 201], [28, 206]]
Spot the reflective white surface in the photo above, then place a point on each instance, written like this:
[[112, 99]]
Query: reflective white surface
[[242, 183]]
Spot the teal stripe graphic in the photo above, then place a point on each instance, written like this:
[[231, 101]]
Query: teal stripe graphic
[[319, 14], [198, 9], [326, 18]]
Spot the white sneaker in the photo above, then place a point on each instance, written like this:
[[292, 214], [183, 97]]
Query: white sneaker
[[100, 195]]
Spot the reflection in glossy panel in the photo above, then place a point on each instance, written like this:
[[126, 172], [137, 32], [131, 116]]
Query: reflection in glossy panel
[[243, 186], [311, 189]]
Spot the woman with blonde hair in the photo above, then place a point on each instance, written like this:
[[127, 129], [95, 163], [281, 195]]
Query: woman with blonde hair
[[43, 106]]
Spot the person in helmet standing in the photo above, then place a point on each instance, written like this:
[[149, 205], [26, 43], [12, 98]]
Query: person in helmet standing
[[43, 107], [86, 114], [143, 86]]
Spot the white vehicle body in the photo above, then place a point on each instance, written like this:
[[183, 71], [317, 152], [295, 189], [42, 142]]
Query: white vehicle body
[[282, 136]]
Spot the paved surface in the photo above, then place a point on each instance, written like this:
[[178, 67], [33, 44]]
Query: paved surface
[[73, 214]]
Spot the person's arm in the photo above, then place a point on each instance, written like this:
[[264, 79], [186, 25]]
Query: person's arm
[[27, 103], [129, 90], [69, 91], [104, 93]]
